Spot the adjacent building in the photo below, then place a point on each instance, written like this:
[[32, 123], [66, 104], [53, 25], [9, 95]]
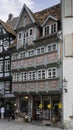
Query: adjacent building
[[7, 35], [67, 29]]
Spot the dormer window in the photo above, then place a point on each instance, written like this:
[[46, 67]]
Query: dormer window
[[19, 35], [50, 29], [47, 30], [30, 31], [53, 28]]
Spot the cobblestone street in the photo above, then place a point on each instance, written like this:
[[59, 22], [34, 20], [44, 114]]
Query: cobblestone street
[[13, 125]]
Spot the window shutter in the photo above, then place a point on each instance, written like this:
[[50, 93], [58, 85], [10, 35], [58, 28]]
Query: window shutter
[[19, 43], [68, 7], [68, 45]]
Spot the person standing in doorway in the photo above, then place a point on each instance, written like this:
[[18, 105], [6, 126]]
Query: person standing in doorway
[[2, 112], [8, 112]]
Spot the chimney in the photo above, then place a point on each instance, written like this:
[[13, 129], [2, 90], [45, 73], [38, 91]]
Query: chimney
[[10, 17]]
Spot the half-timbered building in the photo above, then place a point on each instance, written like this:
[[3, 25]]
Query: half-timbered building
[[7, 35]]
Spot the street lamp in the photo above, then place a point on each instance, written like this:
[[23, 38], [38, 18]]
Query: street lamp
[[65, 85]]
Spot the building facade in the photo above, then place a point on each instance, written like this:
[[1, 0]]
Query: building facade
[[36, 63], [7, 35], [67, 29]]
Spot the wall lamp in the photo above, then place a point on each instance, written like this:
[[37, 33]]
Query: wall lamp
[[65, 85]]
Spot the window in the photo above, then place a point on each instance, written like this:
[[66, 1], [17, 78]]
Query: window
[[16, 77], [52, 73], [50, 29], [7, 87], [40, 50], [15, 56], [25, 38], [31, 75], [53, 28], [49, 48], [47, 30], [6, 44], [31, 53], [7, 65], [23, 76], [52, 47], [30, 32], [22, 55], [1, 47], [1, 66], [19, 35], [41, 74]]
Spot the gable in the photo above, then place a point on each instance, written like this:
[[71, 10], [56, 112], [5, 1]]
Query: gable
[[26, 17], [49, 20]]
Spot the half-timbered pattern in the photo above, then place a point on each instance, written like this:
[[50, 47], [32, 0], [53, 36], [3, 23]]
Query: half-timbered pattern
[[37, 62], [7, 35]]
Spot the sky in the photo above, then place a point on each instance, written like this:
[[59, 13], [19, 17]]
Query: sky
[[15, 6]]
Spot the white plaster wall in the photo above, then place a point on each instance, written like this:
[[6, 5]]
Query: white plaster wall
[[67, 25], [68, 97]]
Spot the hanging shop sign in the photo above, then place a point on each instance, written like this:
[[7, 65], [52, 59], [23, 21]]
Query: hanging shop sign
[[60, 105], [49, 106], [40, 106]]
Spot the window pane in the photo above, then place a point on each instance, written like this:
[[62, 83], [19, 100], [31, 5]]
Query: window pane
[[49, 48], [53, 47]]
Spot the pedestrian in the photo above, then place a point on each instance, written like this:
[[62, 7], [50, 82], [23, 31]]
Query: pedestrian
[[8, 112], [2, 112]]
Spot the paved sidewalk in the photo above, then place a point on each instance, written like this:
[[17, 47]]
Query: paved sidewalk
[[13, 125]]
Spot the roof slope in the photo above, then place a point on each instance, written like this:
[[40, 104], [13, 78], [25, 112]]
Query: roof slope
[[54, 11], [40, 16], [8, 28]]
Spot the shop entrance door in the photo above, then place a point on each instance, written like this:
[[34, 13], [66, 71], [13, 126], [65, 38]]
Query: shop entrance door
[[55, 108], [36, 111]]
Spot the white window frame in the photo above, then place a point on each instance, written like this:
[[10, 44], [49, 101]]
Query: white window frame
[[40, 74], [51, 47], [53, 28], [46, 30], [15, 56], [31, 75], [23, 76], [1, 66], [7, 65], [40, 50], [25, 38], [22, 54], [16, 77], [30, 52], [30, 30], [52, 73], [19, 37]]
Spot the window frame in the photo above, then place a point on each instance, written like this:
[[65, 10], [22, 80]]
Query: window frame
[[40, 74], [32, 75], [40, 50], [51, 74]]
